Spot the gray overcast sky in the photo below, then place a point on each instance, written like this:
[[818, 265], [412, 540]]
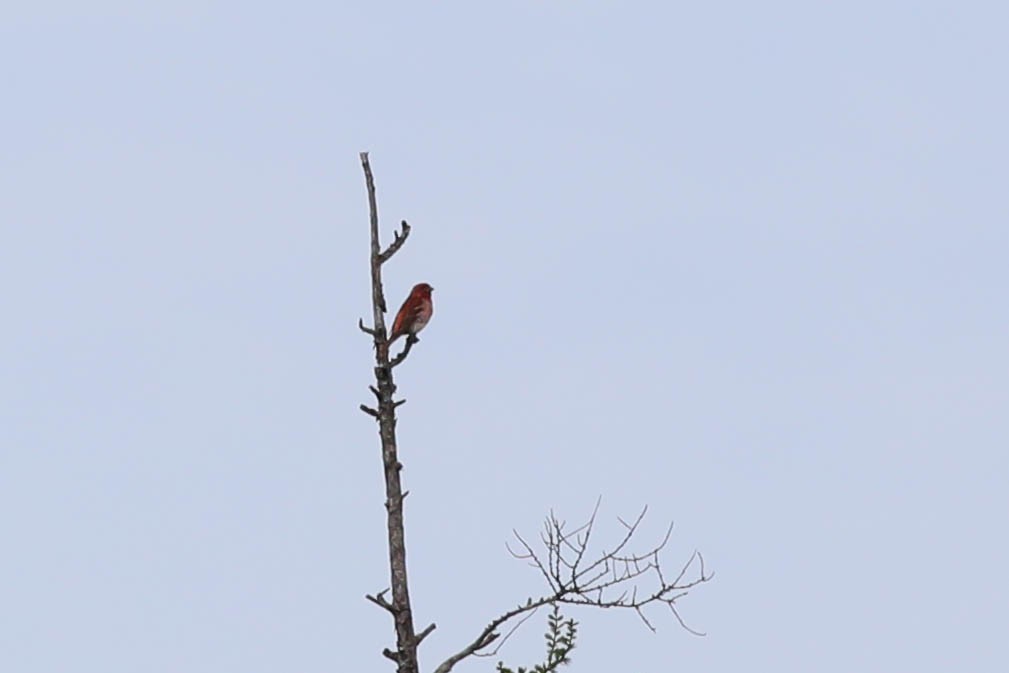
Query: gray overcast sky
[[742, 262]]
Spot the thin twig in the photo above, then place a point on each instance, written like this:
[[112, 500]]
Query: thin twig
[[508, 635]]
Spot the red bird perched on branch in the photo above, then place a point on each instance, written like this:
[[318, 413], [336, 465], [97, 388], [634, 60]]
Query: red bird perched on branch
[[414, 313]]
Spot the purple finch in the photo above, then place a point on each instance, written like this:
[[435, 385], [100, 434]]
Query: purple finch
[[414, 313]]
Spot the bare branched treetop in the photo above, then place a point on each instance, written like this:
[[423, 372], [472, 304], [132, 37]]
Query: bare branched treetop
[[622, 577]]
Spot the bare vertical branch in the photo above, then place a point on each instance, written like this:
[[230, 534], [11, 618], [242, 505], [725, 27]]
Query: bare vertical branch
[[407, 640]]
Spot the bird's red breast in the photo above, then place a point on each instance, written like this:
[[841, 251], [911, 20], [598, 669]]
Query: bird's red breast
[[415, 312]]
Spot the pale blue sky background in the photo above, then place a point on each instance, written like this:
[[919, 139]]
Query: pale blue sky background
[[742, 262]]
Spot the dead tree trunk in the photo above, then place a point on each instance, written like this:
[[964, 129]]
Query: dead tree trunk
[[405, 654]]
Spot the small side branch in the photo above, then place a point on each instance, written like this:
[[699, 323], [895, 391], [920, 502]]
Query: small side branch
[[379, 600], [399, 238], [367, 330], [426, 632]]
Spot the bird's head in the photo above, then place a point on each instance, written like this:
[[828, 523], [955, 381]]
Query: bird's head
[[421, 290]]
